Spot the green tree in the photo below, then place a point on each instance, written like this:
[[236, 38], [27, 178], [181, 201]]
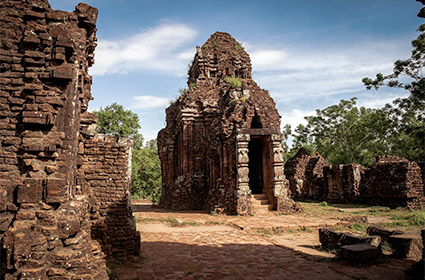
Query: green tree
[[344, 133], [408, 114], [115, 120], [146, 172]]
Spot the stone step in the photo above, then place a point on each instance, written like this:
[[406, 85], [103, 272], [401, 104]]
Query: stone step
[[259, 196], [256, 202]]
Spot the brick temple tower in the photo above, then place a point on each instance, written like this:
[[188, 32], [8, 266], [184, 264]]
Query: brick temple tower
[[222, 148]]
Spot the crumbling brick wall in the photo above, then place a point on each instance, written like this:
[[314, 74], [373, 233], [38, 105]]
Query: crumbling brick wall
[[44, 88], [305, 175], [394, 181], [343, 183], [45, 227], [106, 171]]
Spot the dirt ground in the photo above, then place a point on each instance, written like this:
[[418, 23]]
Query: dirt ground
[[198, 245]]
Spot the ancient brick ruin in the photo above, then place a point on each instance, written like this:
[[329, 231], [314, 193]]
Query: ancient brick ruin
[[305, 175], [222, 142], [343, 183], [55, 218], [391, 181], [394, 181]]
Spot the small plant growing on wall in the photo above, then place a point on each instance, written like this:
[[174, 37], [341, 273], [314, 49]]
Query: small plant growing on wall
[[192, 86], [233, 82], [238, 46]]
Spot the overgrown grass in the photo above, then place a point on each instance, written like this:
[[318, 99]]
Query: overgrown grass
[[233, 82], [358, 227], [400, 218]]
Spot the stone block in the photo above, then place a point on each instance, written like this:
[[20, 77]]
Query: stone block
[[330, 238], [31, 191], [359, 253], [406, 246], [56, 190], [64, 72]]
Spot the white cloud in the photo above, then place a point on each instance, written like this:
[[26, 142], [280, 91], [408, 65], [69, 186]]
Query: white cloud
[[149, 102], [166, 48], [296, 117], [379, 100], [268, 59], [292, 73]]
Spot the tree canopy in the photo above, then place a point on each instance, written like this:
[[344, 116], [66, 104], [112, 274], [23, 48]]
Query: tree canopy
[[407, 114], [344, 133], [115, 120]]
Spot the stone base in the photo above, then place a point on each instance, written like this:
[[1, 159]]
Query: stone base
[[406, 245], [359, 253]]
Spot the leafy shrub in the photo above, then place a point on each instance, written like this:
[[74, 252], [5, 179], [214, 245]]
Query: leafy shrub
[[323, 203]]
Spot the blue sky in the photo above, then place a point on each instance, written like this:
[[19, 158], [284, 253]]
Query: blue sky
[[309, 54]]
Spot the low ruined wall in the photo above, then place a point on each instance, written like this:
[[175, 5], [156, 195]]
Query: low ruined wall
[[391, 181], [343, 182], [305, 175], [394, 181], [106, 169]]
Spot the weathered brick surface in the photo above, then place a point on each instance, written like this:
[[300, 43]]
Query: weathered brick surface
[[305, 175], [205, 147], [391, 181], [45, 226], [106, 171], [343, 183], [394, 181]]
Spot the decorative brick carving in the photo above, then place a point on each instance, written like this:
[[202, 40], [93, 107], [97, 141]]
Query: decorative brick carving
[[218, 133]]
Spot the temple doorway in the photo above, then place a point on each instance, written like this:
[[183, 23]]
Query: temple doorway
[[255, 155]]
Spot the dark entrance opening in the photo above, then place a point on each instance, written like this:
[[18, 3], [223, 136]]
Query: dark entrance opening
[[255, 155]]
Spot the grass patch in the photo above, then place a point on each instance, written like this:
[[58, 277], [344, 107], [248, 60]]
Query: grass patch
[[171, 221], [358, 227], [304, 229], [233, 81], [417, 218], [264, 232], [192, 224], [238, 46], [214, 223]]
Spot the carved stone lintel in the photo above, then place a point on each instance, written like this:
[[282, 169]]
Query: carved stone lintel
[[277, 137], [243, 137]]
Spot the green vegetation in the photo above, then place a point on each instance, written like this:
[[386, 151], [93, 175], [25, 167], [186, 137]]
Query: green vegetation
[[173, 222], [192, 86], [323, 203], [408, 114], [146, 169], [400, 218], [115, 120], [146, 172], [234, 82], [238, 46], [345, 133], [358, 226]]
